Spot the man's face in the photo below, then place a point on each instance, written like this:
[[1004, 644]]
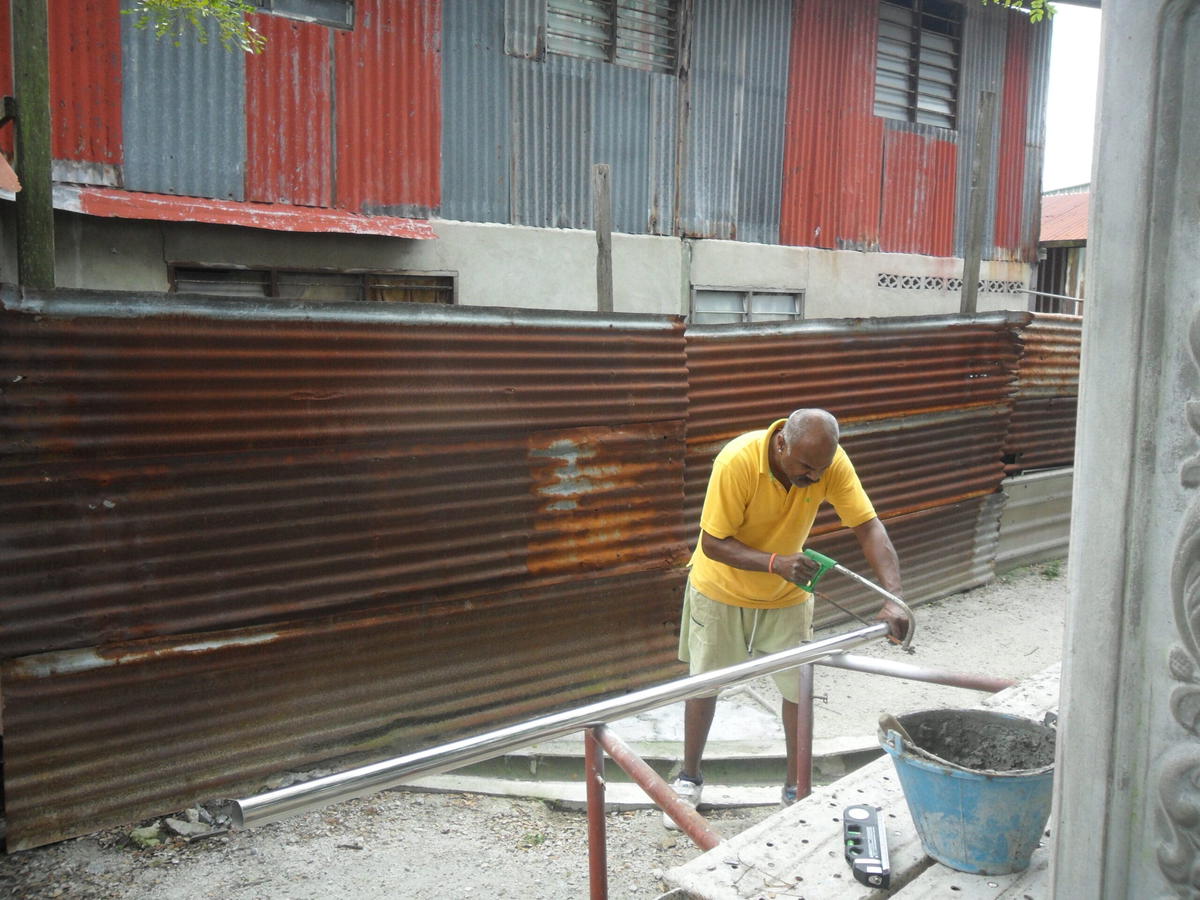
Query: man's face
[[805, 461]]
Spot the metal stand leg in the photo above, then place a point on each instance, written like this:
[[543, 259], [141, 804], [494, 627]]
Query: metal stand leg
[[593, 755], [804, 733]]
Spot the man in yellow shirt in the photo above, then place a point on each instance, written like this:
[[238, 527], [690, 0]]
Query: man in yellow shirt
[[742, 599]]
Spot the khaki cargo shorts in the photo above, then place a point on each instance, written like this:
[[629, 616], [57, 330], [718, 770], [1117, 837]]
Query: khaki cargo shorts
[[713, 635]]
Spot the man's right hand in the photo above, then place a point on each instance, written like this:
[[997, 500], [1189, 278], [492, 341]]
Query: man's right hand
[[795, 567]]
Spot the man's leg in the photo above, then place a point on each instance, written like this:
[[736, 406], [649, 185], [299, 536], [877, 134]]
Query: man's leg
[[697, 720], [790, 714]]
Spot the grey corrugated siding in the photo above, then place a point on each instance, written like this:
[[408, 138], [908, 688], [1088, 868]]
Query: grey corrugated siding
[[1035, 140], [984, 37], [476, 127], [521, 133], [1036, 522], [738, 85], [183, 115], [524, 27]]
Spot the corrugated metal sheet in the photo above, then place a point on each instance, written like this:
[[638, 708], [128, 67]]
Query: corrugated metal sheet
[[743, 378], [477, 124], [289, 114], [1036, 522], [833, 146], [1042, 433], [178, 470], [738, 98], [246, 538], [102, 736], [1010, 164], [942, 551], [388, 107], [85, 80], [984, 37], [1038, 77], [521, 135], [924, 402], [555, 125], [635, 134], [341, 426], [524, 27], [918, 199], [183, 115]]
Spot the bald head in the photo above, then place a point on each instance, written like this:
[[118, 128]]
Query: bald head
[[811, 425], [804, 447]]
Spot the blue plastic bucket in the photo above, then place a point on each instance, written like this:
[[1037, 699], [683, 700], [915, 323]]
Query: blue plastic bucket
[[978, 785]]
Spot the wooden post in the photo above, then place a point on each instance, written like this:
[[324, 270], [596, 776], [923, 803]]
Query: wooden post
[[35, 201], [602, 213], [981, 169]]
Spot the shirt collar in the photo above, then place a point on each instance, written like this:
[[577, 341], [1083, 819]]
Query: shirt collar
[[764, 461]]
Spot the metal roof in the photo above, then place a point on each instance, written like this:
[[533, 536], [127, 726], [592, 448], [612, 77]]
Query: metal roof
[[1065, 217]]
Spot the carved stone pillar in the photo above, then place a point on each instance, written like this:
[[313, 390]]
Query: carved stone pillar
[[1128, 776]]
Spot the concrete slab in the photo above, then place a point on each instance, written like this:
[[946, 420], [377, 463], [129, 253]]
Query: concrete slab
[[798, 851]]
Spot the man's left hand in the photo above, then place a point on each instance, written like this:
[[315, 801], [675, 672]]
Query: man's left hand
[[897, 621]]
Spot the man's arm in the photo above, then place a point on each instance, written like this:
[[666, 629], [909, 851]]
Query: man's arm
[[793, 567], [881, 555]]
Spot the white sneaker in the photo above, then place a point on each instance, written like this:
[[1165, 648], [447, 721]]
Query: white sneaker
[[689, 792]]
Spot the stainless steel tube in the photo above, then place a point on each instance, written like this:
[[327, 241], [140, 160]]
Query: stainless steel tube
[[895, 669], [369, 779]]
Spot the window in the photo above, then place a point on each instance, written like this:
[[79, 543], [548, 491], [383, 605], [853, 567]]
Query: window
[[642, 34], [723, 307], [339, 13], [916, 61], [294, 284]]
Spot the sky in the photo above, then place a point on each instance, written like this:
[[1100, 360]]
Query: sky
[[1071, 100]]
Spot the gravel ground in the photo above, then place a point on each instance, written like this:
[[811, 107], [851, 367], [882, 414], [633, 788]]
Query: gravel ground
[[409, 844]]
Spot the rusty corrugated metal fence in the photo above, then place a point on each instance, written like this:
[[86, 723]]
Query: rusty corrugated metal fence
[[242, 538]]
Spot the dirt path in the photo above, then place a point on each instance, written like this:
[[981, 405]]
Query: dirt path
[[405, 844]]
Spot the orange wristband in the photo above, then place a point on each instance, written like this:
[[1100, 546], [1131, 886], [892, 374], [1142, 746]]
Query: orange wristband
[[771, 563]]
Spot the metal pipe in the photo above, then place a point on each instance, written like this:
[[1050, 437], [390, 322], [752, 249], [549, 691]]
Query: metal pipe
[[1052, 296], [691, 822], [593, 764], [804, 734], [857, 663], [378, 776]]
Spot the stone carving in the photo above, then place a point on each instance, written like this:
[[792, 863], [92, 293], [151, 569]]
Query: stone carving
[[1179, 775]]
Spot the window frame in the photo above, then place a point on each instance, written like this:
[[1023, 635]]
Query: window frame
[[273, 8], [923, 55], [619, 20], [272, 282], [748, 312]]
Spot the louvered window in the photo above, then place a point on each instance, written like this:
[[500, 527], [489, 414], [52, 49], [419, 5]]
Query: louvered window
[[718, 306], [917, 61], [642, 34], [339, 13], [314, 286]]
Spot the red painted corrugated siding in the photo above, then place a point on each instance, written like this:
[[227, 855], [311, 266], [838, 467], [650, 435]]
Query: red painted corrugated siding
[[289, 114], [833, 145], [918, 195], [388, 125], [6, 73], [1012, 137], [85, 80]]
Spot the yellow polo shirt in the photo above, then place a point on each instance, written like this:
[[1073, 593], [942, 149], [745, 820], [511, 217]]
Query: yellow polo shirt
[[745, 501]]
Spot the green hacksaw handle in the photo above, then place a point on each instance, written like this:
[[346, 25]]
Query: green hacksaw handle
[[824, 564]]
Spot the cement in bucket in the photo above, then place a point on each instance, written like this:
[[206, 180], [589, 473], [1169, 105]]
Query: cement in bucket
[[978, 785]]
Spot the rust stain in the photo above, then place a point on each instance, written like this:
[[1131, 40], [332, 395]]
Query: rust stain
[[603, 498]]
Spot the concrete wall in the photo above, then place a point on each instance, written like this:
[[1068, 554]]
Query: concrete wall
[[535, 268], [1128, 769]]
